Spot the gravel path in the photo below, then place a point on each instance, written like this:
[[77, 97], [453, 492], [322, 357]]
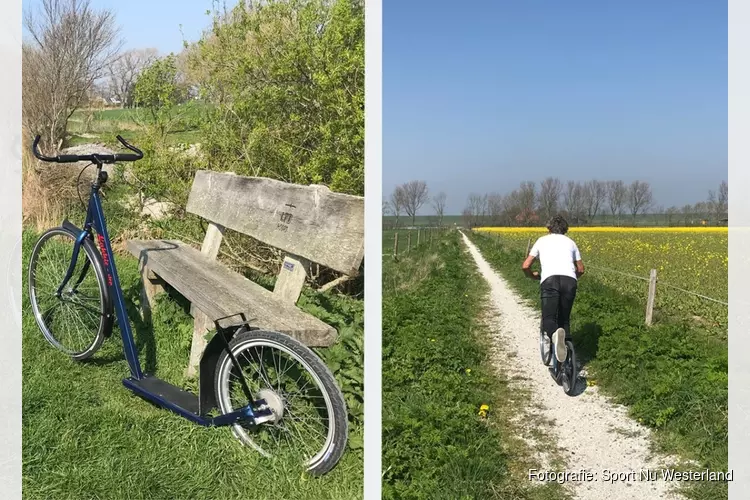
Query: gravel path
[[591, 433]]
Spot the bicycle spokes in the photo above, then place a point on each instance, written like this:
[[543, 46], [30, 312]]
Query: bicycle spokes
[[70, 317], [300, 420]]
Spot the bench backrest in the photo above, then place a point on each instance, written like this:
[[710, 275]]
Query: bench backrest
[[310, 222]]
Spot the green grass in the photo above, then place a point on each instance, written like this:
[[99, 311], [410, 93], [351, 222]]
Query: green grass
[[422, 220], [88, 126], [113, 114], [404, 235], [436, 376], [672, 376], [87, 437]]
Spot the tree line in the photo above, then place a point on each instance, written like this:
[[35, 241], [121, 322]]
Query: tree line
[[582, 203]]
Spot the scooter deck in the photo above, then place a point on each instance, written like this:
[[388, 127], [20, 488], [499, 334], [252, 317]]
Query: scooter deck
[[167, 396]]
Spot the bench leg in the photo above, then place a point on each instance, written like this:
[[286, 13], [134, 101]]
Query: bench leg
[[201, 325], [152, 286]]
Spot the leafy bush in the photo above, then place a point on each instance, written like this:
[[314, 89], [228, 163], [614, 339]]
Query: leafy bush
[[286, 81], [166, 172]]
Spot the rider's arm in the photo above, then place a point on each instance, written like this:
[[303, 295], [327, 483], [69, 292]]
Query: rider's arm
[[578, 261], [526, 266], [579, 268]]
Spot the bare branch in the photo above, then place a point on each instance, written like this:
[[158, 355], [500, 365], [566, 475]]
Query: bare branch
[[415, 195], [438, 203], [124, 72], [69, 48], [639, 198]]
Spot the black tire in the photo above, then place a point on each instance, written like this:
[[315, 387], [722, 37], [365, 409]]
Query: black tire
[[56, 244], [337, 422], [569, 373], [545, 347]]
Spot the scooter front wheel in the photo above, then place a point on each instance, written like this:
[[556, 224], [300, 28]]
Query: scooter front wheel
[[76, 319]]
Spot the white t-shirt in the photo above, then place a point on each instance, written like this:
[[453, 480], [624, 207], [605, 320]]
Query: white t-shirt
[[557, 253]]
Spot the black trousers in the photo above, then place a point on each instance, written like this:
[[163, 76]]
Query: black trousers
[[558, 294]]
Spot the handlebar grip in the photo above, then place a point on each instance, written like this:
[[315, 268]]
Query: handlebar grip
[[68, 158], [127, 157]]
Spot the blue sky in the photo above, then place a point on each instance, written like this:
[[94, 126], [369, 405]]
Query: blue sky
[[479, 98], [155, 23]]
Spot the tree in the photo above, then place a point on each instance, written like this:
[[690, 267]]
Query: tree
[[415, 195], [594, 194], [513, 208], [124, 72], [703, 209], [616, 192], [438, 203], [527, 193], [387, 208], [639, 197], [573, 200], [158, 91], [476, 208], [719, 202], [398, 202], [494, 208], [672, 215], [657, 212], [687, 212], [724, 195], [549, 196], [69, 46], [467, 217]]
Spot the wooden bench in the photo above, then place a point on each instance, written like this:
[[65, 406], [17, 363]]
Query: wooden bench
[[308, 223]]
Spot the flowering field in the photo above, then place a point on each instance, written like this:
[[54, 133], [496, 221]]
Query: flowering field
[[693, 259]]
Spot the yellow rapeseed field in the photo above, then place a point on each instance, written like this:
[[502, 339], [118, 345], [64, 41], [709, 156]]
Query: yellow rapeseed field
[[694, 259]]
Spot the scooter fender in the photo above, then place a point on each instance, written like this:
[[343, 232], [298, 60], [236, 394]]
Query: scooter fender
[[207, 368]]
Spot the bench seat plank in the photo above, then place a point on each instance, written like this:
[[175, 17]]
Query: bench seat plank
[[218, 291]]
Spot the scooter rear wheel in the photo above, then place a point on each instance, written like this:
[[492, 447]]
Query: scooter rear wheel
[[310, 416]]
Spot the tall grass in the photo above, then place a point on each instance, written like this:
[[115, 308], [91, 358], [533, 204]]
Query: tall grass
[[46, 192]]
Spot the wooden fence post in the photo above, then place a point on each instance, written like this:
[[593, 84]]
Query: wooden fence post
[[651, 297], [395, 245], [419, 234], [408, 242]]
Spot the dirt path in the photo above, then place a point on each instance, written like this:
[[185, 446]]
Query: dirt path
[[591, 433]]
